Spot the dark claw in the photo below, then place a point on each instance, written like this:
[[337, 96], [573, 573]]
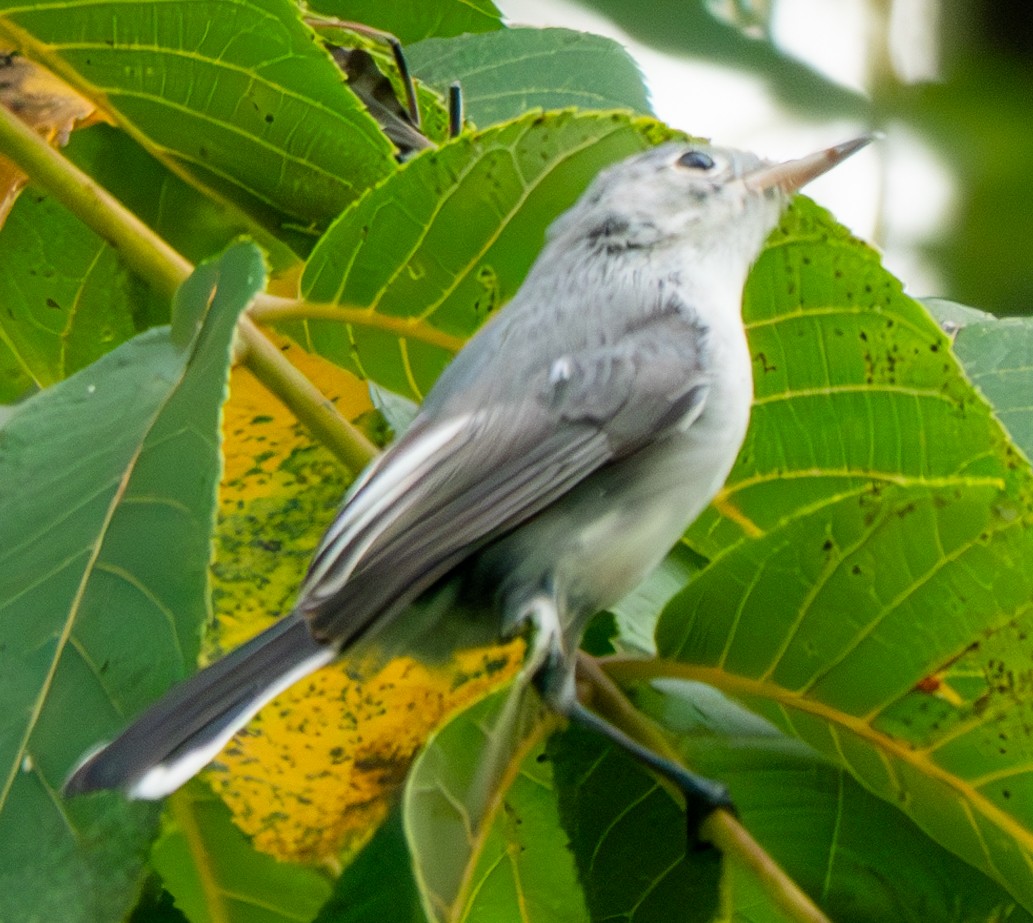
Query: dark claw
[[702, 798]]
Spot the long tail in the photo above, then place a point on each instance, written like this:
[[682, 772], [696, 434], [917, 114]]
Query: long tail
[[183, 731]]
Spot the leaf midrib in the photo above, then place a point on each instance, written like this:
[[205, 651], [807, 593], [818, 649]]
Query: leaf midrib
[[77, 600], [627, 671]]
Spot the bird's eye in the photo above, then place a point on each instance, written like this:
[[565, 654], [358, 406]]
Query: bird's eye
[[696, 160]]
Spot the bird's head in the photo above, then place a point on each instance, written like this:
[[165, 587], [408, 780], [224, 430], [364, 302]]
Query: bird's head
[[712, 199]]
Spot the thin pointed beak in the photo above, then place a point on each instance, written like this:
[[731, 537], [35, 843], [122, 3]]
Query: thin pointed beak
[[793, 174]]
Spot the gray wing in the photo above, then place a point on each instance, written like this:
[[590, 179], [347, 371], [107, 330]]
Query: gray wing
[[460, 478]]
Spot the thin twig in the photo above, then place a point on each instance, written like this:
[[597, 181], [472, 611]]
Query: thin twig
[[721, 828], [402, 64], [303, 399], [271, 309], [455, 110]]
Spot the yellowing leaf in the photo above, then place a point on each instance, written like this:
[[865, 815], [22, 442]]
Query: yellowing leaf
[[45, 103], [42, 100], [315, 772]]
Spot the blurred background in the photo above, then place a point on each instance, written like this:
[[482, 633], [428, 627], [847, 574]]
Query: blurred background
[[947, 195]]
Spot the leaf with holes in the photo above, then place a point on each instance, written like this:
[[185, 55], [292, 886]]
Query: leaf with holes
[[107, 493], [419, 262], [870, 583], [235, 93], [411, 20], [319, 768]]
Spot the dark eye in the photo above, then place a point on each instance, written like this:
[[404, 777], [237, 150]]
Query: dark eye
[[696, 160]]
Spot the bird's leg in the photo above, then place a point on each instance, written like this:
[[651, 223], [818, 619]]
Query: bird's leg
[[552, 673], [703, 796]]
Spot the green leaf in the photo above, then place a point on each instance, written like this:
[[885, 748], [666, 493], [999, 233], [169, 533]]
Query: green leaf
[[107, 491], [853, 383], [365, 894], [483, 786], [67, 296], [215, 874], [856, 854], [236, 93], [628, 837], [431, 252], [504, 74], [411, 20], [997, 354], [870, 583], [637, 613], [197, 226]]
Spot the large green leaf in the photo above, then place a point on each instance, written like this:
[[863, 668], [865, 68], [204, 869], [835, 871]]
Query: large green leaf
[[871, 587], [217, 876], [857, 856], [504, 74], [67, 296], [107, 491], [236, 93], [411, 20], [431, 252], [196, 225]]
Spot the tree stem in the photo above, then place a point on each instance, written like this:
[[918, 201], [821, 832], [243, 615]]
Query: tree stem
[[303, 399]]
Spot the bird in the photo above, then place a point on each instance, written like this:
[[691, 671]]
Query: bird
[[557, 459]]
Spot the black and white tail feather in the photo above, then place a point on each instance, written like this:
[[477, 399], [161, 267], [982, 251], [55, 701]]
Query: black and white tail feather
[[185, 730]]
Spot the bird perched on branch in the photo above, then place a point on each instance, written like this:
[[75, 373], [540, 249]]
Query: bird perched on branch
[[553, 465]]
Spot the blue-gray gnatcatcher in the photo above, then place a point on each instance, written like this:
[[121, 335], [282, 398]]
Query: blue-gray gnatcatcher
[[552, 466]]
